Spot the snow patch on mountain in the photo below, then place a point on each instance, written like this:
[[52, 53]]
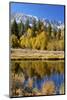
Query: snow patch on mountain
[[23, 17]]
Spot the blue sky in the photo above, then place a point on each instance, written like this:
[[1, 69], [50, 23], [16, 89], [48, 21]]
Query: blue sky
[[51, 12]]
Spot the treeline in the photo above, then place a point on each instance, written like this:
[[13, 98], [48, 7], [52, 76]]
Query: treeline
[[36, 36]]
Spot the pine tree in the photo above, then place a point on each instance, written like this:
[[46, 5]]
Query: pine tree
[[55, 33], [59, 34], [49, 29], [27, 25], [34, 28], [14, 29], [21, 28], [39, 25], [45, 28]]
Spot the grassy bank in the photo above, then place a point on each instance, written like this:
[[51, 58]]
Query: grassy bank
[[27, 54]]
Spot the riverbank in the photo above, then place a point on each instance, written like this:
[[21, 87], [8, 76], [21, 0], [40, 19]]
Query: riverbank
[[28, 54]]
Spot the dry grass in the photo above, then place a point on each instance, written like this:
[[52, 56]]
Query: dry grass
[[36, 54]]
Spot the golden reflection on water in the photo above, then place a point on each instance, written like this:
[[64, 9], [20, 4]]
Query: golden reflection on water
[[29, 70]]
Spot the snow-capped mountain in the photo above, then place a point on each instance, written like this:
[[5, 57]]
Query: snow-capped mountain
[[55, 24], [23, 17]]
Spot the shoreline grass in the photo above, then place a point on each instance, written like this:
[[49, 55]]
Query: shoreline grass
[[28, 54]]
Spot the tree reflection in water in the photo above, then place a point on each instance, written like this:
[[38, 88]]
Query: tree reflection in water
[[31, 78]]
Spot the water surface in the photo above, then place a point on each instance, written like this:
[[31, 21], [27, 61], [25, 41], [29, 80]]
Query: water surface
[[39, 77]]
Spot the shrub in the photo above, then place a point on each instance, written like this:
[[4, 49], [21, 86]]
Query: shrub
[[22, 41], [14, 41], [61, 45], [48, 88], [41, 41], [51, 46]]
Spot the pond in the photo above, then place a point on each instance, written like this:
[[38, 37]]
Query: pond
[[37, 77]]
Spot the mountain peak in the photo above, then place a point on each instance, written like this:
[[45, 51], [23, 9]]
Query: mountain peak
[[23, 17]]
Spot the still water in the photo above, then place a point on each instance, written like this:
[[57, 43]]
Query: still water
[[31, 78]]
